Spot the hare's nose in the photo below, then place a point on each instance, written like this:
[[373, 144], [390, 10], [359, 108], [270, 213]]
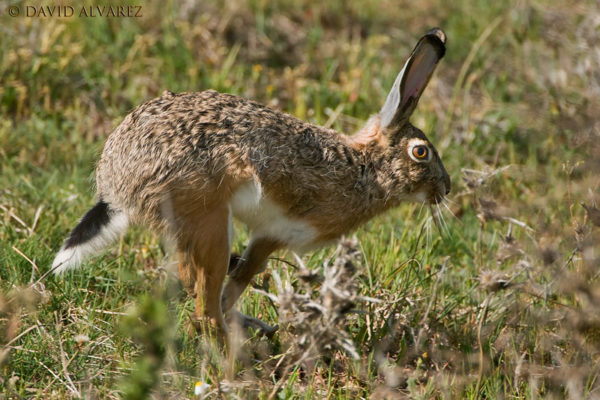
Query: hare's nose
[[447, 184]]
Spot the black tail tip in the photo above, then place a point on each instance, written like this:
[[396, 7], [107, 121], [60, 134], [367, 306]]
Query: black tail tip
[[90, 225]]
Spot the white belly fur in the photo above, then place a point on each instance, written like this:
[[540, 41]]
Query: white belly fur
[[265, 218]]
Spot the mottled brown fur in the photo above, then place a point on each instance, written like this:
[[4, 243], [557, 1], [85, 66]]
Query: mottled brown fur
[[199, 144]]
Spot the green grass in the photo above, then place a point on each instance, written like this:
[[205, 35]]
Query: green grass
[[512, 108]]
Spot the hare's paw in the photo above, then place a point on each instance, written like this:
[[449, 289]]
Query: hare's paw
[[246, 321]]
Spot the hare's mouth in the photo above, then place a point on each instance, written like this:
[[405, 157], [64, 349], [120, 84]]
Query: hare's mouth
[[426, 197], [438, 195], [432, 195], [419, 197]]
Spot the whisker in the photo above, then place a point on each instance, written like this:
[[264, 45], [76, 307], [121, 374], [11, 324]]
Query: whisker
[[444, 221], [450, 210], [440, 215], [420, 209], [428, 231], [449, 200], [436, 220]]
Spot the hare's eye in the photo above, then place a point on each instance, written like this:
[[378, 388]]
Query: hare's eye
[[420, 152]]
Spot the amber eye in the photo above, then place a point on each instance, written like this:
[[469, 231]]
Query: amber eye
[[420, 152]]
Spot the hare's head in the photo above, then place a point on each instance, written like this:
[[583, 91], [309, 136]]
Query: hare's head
[[416, 162]]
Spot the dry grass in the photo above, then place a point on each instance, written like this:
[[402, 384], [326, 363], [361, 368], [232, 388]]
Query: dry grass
[[501, 302]]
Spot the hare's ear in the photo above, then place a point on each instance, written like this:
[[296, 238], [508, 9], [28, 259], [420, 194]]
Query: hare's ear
[[413, 78]]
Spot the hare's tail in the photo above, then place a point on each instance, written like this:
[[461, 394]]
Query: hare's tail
[[98, 228]]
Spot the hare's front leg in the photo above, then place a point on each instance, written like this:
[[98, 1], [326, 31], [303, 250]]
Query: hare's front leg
[[203, 245], [252, 262]]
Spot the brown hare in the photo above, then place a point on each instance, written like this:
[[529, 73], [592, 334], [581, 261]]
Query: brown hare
[[186, 164]]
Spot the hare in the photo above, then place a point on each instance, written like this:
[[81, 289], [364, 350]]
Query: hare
[[185, 164]]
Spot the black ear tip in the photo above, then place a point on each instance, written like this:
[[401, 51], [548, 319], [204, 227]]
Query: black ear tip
[[437, 32]]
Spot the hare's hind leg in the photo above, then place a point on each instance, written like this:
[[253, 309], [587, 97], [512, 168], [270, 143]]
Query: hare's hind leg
[[203, 246], [187, 274]]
